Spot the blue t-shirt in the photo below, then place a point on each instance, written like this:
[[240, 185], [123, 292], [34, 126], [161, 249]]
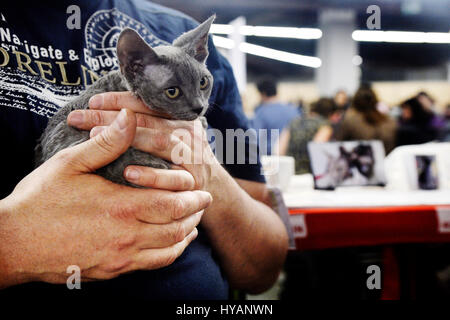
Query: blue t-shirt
[[273, 115], [43, 65]]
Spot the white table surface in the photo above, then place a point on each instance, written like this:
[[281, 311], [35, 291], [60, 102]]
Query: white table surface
[[301, 194]]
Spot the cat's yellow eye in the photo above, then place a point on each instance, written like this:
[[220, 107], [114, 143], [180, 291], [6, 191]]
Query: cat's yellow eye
[[204, 83], [172, 92]]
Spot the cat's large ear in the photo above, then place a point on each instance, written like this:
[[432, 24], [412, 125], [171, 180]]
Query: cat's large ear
[[195, 42], [134, 53]]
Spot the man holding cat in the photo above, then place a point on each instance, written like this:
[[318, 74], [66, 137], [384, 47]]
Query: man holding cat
[[43, 230], [61, 214]]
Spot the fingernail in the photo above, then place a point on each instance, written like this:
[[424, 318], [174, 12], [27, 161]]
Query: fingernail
[[207, 195], [121, 120], [132, 174], [75, 118], [194, 233], [96, 101]]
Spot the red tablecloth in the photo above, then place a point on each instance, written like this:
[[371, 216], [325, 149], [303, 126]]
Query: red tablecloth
[[320, 228]]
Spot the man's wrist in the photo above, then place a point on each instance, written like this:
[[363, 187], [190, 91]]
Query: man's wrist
[[6, 277], [219, 182], [226, 195], [10, 273]]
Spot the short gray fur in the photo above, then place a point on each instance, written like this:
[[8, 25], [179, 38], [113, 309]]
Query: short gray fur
[[147, 72]]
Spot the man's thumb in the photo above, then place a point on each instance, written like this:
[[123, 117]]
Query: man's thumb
[[106, 146]]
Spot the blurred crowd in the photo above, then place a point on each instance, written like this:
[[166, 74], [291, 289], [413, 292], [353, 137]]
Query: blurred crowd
[[344, 118]]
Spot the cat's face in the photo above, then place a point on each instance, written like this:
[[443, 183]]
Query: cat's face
[[171, 79]]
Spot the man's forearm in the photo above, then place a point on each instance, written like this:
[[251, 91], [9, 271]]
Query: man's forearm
[[8, 276], [248, 236]]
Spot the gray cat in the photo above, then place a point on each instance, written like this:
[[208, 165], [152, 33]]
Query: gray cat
[[172, 79]]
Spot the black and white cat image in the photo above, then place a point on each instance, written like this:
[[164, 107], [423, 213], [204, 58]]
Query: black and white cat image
[[356, 165], [172, 79]]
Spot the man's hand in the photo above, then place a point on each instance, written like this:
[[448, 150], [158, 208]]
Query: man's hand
[[62, 214], [248, 237], [164, 138]]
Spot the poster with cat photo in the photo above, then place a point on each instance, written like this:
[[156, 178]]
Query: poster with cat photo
[[427, 174], [347, 163]]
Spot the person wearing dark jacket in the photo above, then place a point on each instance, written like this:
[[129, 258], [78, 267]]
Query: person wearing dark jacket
[[415, 124]]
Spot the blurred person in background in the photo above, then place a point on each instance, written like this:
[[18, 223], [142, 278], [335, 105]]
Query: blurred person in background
[[341, 99], [426, 100], [417, 123], [447, 113], [446, 130], [428, 103], [363, 121], [316, 126], [300, 107], [383, 107], [271, 113]]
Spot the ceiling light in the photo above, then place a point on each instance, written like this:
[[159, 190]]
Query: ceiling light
[[263, 31], [401, 36], [222, 42], [269, 53]]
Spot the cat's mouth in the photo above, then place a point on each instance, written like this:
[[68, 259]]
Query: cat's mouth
[[173, 116], [157, 111]]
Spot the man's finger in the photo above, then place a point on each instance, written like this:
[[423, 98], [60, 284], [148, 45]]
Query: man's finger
[[161, 206], [87, 119], [165, 146], [145, 259], [165, 235], [119, 100], [105, 147], [175, 180], [160, 144], [151, 259]]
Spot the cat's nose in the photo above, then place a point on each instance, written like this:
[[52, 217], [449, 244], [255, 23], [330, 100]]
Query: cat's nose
[[198, 110]]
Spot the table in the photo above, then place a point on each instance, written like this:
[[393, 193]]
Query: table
[[356, 216], [367, 216]]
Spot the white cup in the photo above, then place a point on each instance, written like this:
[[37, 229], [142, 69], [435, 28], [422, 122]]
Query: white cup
[[278, 170]]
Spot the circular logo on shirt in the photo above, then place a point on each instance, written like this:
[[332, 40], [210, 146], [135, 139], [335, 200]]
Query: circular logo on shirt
[[102, 32]]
